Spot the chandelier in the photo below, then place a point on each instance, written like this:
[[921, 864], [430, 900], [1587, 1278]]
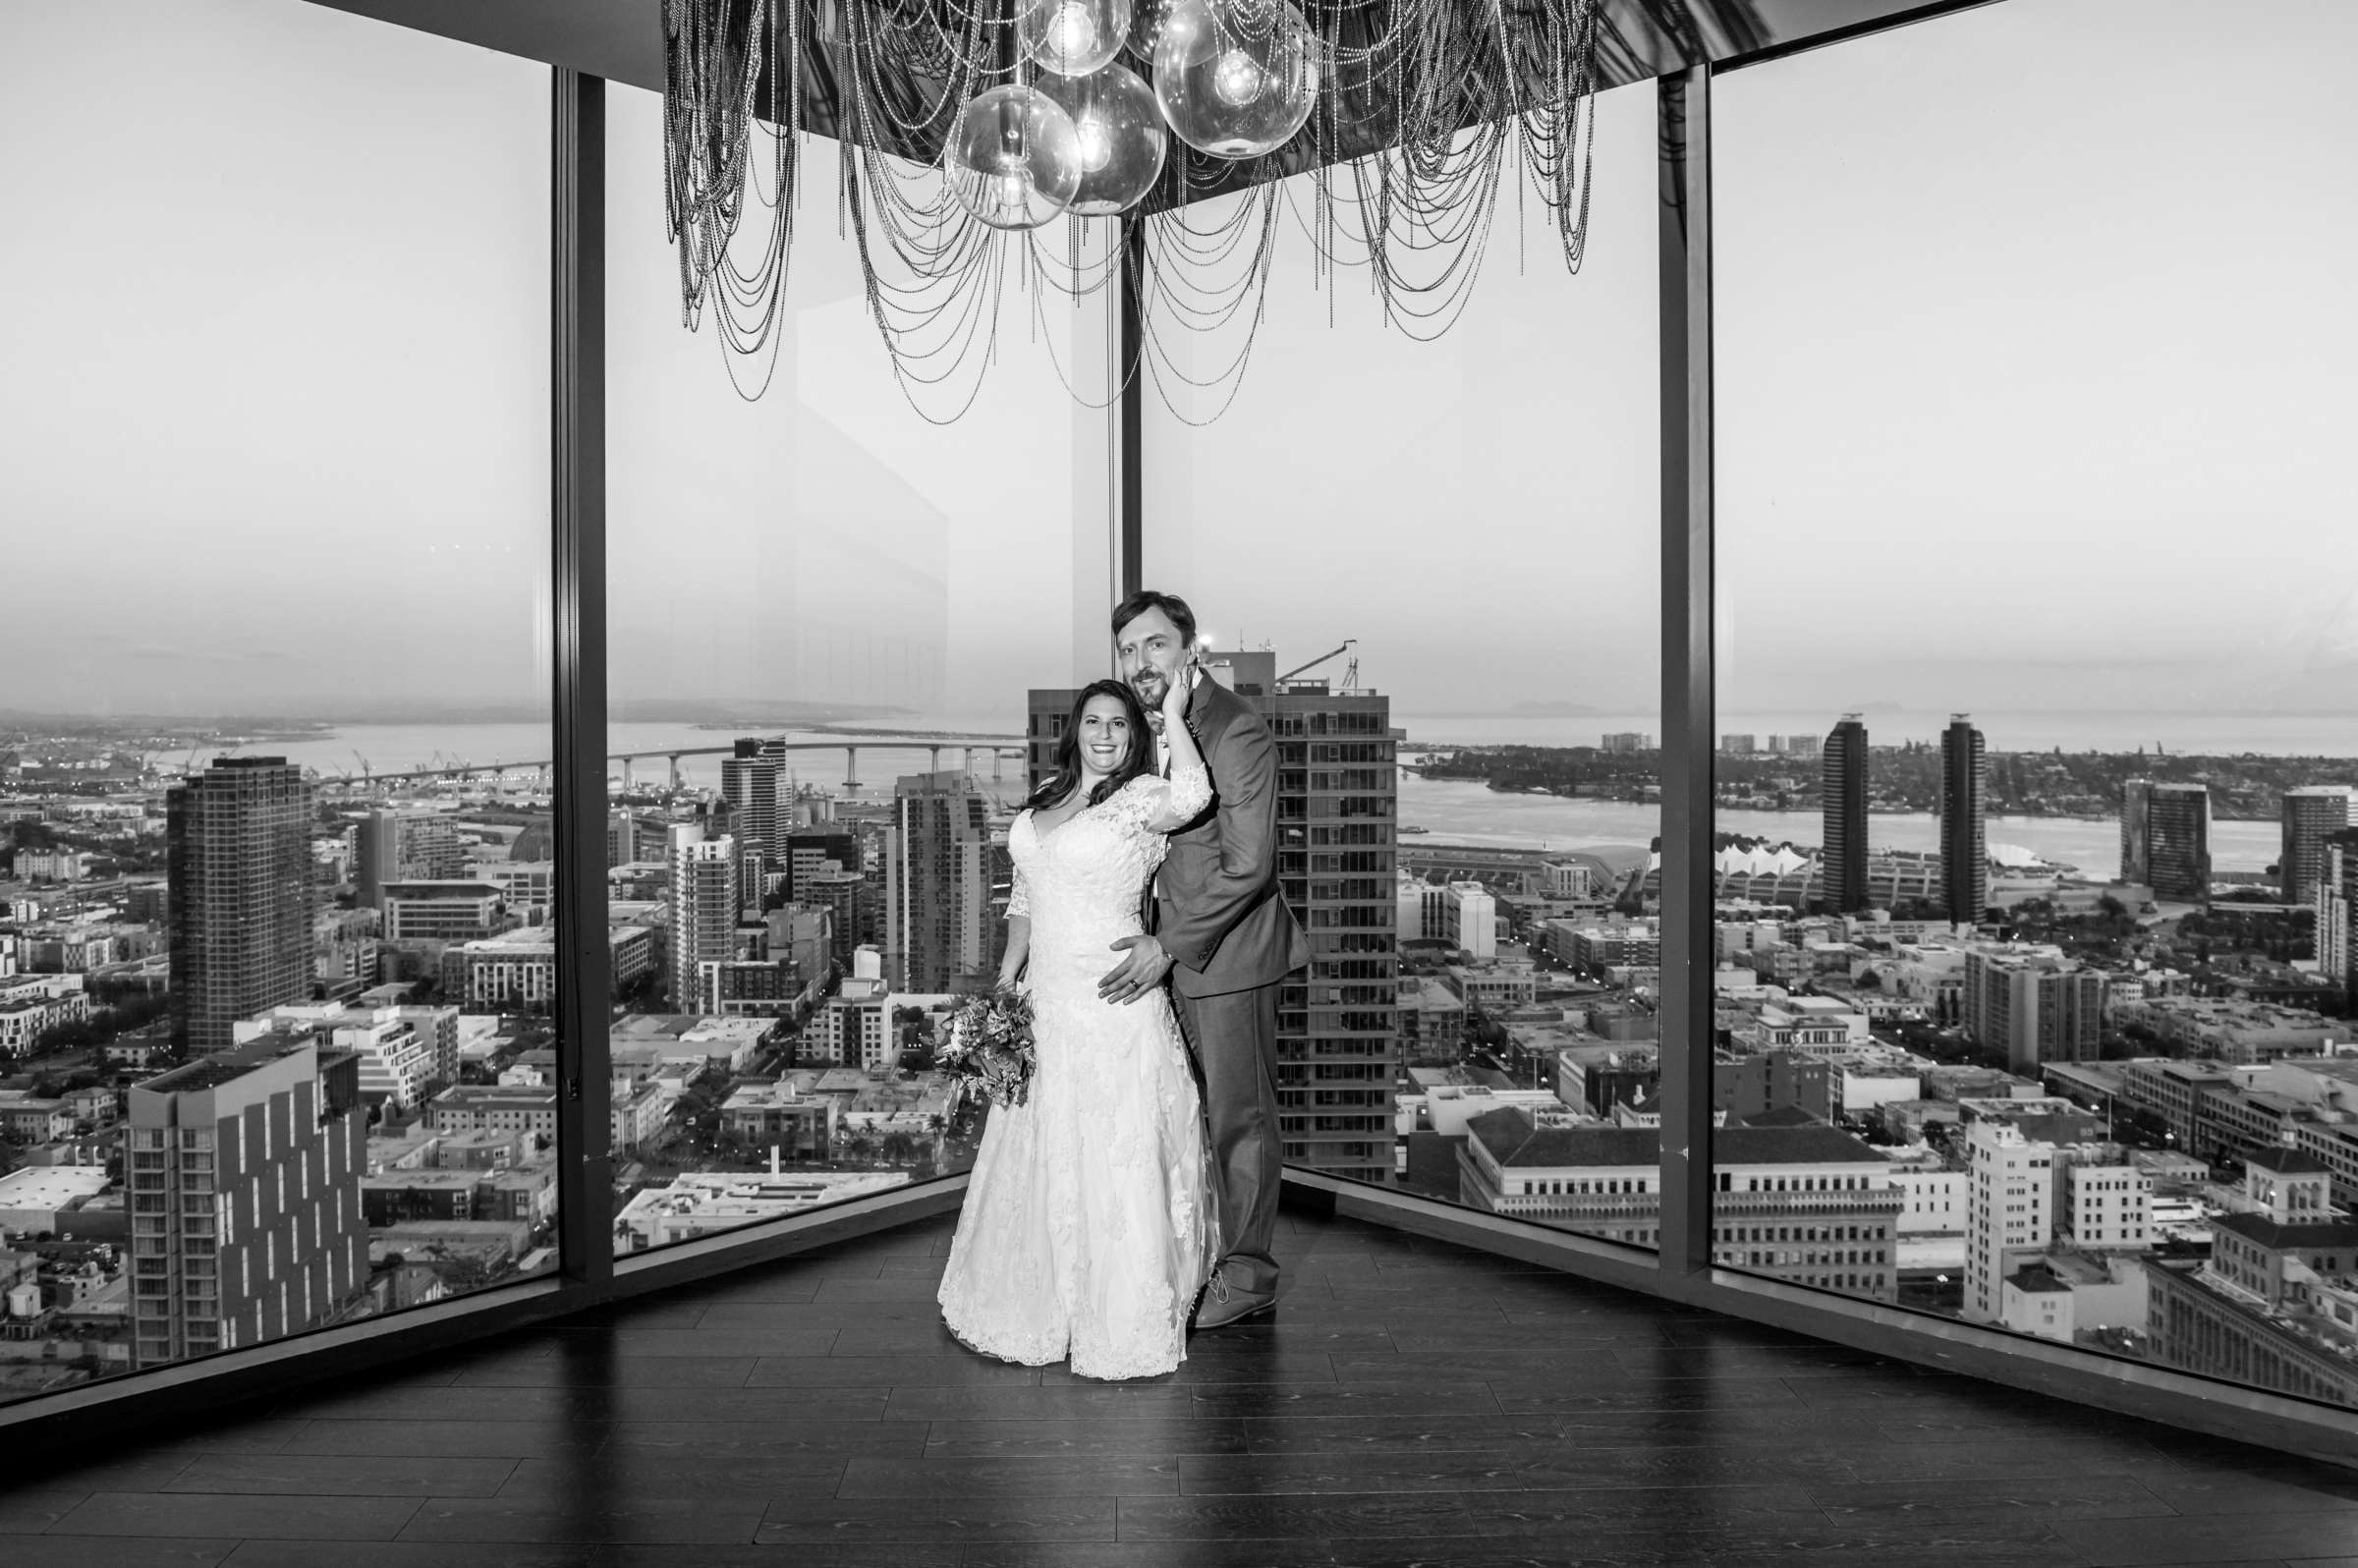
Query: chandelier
[[1064, 145]]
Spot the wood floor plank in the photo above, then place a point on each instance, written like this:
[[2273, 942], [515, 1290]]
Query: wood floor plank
[[938, 1519], [896, 1289], [1532, 1397], [574, 1403], [414, 1554], [590, 1519], [633, 1475], [702, 1342], [1278, 1474], [484, 1439], [344, 1475], [1313, 1517], [790, 1554], [2191, 1539], [887, 1372], [2200, 1492], [667, 1372], [29, 1510], [1038, 1404], [1191, 1553], [939, 1477], [1398, 1435], [2026, 1456], [1536, 1365], [821, 1311], [129, 1552], [2068, 1493], [183, 1514], [764, 1438], [1171, 1435], [1406, 1397]]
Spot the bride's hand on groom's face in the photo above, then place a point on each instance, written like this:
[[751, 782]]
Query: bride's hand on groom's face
[[1174, 692], [1141, 970]]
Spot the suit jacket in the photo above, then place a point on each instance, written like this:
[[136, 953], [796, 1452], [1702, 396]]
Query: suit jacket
[[1218, 912]]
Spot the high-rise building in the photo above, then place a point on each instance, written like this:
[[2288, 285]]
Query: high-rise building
[[405, 846], [245, 1185], [2336, 897], [2034, 1004], [811, 851], [2165, 838], [2313, 815], [1474, 921], [1964, 841], [702, 906], [855, 907], [1739, 745], [1046, 709], [2136, 859], [2010, 1212], [753, 782], [1627, 741], [238, 846], [1842, 788], [625, 837], [941, 883], [1337, 854]]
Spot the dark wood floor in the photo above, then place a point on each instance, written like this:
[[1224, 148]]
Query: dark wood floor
[[1409, 1402]]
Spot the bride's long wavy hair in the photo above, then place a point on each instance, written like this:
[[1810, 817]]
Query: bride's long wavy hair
[[1065, 776]]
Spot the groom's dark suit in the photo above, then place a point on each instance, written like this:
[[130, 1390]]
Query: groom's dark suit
[[1218, 914]]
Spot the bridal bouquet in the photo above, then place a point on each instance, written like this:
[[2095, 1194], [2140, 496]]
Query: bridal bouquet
[[989, 1052]]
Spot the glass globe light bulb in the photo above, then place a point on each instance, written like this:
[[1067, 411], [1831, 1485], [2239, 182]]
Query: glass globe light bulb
[[1012, 159], [1096, 140], [1071, 32], [1120, 134], [1234, 78], [1073, 37]]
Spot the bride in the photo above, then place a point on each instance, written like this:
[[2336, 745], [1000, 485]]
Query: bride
[[1086, 1227]]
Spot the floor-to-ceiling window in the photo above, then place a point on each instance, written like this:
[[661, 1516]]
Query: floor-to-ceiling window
[[827, 614], [1433, 563], [273, 676], [2035, 644]]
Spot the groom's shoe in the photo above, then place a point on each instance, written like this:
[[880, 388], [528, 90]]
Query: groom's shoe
[[1223, 1303]]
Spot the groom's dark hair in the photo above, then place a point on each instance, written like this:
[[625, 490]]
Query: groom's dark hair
[[1173, 608]]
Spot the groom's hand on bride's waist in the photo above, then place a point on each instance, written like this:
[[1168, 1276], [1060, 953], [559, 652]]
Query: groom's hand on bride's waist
[[1142, 969]]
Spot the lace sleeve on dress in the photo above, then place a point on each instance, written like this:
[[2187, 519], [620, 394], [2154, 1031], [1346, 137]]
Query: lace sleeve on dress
[[1019, 897], [1190, 793], [1160, 806]]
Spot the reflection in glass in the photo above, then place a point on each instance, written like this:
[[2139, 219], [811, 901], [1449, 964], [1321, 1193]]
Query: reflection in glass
[[1457, 659], [826, 612]]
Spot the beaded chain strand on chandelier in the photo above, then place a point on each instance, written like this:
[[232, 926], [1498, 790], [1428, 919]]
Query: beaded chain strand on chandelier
[[1067, 142]]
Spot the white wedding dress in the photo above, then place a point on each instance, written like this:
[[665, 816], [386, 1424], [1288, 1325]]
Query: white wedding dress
[[1088, 1227]]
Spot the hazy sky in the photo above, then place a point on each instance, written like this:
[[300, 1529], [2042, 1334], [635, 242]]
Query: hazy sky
[[2034, 385]]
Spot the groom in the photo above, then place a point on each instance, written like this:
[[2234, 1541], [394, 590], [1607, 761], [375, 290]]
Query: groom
[[1220, 929]]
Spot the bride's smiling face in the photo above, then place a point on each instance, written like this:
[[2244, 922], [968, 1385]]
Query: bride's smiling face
[[1105, 738]]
